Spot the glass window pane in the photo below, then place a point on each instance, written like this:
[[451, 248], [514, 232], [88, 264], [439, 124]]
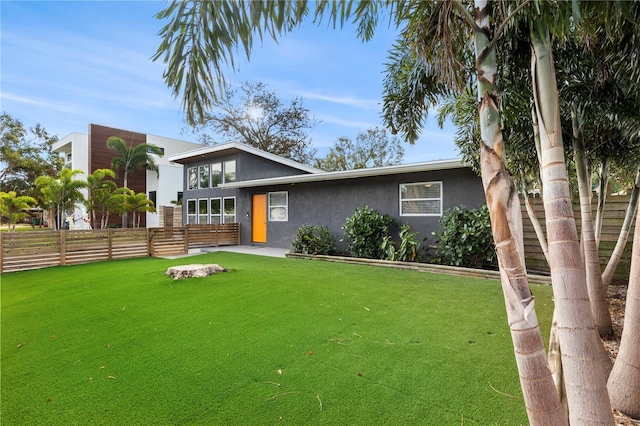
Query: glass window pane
[[229, 206], [421, 190], [278, 213], [421, 207], [216, 174], [191, 219], [215, 206], [277, 198], [204, 176], [202, 207], [193, 178], [191, 206], [230, 171]]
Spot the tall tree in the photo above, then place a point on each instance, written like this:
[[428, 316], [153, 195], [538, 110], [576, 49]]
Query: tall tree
[[14, 208], [63, 193], [372, 148], [132, 158], [256, 116], [26, 154]]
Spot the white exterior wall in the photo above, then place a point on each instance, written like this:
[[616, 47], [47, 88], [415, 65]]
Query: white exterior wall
[[169, 181], [76, 145]]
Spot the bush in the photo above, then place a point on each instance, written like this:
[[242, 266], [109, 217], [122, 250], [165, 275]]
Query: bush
[[365, 231], [310, 239], [465, 239]]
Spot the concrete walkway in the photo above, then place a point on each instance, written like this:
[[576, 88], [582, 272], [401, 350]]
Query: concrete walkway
[[257, 250]]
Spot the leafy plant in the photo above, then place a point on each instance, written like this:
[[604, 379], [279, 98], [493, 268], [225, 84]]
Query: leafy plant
[[408, 249], [365, 231], [312, 239], [465, 239]]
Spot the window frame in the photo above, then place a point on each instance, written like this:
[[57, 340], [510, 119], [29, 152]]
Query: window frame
[[225, 173], [218, 168], [201, 168], [200, 213], [218, 215], [193, 215], [439, 199], [271, 207], [224, 214], [192, 186]]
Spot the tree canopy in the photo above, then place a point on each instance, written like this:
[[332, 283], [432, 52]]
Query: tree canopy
[[371, 148], [255, 115]]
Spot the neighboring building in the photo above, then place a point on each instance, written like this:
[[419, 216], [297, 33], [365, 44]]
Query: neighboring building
[[89, 152], [271, 197]]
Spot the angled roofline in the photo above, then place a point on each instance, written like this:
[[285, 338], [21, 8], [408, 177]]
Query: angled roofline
[[455, 163], [209, 150]]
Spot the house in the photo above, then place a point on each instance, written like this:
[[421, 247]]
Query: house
[[89, 152], [271, 197]]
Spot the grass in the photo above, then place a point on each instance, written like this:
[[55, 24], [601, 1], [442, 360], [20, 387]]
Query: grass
[[273, 340]]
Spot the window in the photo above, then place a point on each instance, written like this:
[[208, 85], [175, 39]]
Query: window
[[421, 199], [149, 150], [278, 206], [153, 195], [192, 218], [192, 175], [203, 172], [216, 174], [215, 211], [229, 209], [203, 211], [179, 198], [229, 171]]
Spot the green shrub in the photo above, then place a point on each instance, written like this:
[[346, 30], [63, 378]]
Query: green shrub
[[407, 250], [311, 239], [365, 231], [465, 239]]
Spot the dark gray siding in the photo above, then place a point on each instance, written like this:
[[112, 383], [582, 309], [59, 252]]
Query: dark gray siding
[[248, 167], [330, 203]]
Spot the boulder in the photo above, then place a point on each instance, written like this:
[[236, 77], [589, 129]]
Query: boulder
[[194, 270]]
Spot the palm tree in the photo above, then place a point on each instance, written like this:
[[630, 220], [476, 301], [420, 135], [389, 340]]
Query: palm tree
[[63, 193], [132, 158], [100, 190], [137, 204], [14, 207]]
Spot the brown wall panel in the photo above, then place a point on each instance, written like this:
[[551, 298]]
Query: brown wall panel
[[100, 158]]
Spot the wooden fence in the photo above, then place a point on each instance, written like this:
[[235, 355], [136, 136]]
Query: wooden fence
[[39, 249], [613, 217]]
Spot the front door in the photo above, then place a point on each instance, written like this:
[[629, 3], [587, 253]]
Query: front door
[[259, 218]]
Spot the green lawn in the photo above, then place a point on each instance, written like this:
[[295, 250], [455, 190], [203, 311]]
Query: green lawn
[[272, 341]]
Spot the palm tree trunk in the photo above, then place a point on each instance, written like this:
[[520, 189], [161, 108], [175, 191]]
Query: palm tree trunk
[[541, 400], [582, 350], [602, 197], [624, 381], [607, 275], [597, 293]]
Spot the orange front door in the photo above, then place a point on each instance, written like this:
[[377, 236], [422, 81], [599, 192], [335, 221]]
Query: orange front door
[[259, 218]]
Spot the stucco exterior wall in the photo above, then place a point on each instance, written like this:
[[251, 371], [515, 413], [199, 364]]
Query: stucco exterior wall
[[330, 203]]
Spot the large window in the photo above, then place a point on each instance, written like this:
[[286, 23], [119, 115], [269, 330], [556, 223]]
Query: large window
[[203, 172], [229, 209], [421, 199], [215, 211], [192, 175], [229, 171], [216, 174], [192, 217], [278, 206], [203, 211]]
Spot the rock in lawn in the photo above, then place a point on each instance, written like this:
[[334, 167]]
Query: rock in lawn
[[195, 270]]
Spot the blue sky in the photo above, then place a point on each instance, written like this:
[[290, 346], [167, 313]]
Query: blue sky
[[66, 64]]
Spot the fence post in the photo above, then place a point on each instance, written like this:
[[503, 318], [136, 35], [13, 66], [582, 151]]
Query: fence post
[[63, 253], [109, 242], [149, 242], [186, 238], [238, 233]]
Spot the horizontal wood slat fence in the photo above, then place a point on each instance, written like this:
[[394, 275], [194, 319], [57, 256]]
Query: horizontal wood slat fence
[[21, 251], [613, 217]]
